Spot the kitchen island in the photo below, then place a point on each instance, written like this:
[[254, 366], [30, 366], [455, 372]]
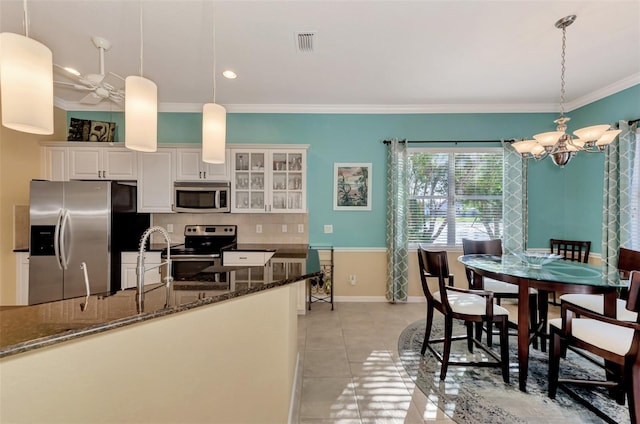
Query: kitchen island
[[193, 361]]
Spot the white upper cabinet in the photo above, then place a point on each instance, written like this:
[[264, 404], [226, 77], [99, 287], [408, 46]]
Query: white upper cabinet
[[55, 163], [268, 180], [155, 181], [190, 167], [99, 163]]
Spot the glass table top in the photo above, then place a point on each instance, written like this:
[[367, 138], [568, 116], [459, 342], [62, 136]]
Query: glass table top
[[558, 271]]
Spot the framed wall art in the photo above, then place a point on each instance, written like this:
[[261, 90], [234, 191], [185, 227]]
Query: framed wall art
[[352, 186]]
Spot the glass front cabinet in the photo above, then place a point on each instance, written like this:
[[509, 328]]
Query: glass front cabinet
[[268, 180]]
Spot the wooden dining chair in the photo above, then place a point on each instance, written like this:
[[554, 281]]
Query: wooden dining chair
[[628, 261], [570, 250], [500, 289], [471, 306], [615, 341]]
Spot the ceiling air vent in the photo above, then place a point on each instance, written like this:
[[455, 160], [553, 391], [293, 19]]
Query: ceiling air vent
[[305, 41]]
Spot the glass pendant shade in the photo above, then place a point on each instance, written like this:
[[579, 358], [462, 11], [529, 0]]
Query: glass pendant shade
[[26, 84], [525, 146], [140, 114], [548, 138], [608, 137], [214, 132], [591, 133], [537, 150]]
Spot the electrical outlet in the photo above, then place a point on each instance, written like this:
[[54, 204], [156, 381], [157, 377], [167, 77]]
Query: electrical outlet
[[301, 228], [328, 229], [352, 279], [169, 228], [284, 228], [259, 228]]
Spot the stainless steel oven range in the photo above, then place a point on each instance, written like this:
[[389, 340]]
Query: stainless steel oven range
[[197, 264]]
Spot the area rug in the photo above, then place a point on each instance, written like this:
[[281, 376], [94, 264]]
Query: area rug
[[479, 395]]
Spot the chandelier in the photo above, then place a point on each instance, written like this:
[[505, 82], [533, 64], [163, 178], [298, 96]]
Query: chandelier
[[559, 145]]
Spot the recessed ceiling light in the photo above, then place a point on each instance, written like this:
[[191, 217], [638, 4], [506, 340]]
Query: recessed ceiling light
[[229, 74], [72, 71]]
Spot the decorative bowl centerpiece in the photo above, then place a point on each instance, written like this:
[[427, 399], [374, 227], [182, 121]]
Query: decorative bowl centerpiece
[[536, 259]]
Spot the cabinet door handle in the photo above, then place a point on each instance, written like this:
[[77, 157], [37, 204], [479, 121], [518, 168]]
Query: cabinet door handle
[[200, 174], [205, 174]]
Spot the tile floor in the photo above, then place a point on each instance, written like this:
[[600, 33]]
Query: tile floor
[[350, 369]]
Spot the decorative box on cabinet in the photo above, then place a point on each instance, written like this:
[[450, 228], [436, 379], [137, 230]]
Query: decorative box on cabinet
[[129, 277], [155, 181], [268, 180], [190, 167]]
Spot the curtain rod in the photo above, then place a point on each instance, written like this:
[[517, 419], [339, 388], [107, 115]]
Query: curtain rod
[[444, 141]]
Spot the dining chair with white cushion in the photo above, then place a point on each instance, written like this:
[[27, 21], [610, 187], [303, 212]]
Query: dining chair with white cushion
[[616, 342], [500, 289], [471, 306], [628, 261]]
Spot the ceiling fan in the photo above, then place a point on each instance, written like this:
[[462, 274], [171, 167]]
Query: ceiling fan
[[94, 83]]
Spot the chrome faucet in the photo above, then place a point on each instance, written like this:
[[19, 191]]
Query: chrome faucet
[[140, 270]]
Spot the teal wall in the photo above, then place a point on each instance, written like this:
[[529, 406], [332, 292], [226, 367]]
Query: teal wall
[[563, 202]]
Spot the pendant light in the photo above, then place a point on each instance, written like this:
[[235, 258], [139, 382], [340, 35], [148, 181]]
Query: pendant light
[[140, 108], [26, 82], [214, 119]]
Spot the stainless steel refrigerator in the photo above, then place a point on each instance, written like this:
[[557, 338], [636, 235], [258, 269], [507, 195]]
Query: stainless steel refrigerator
[[80, 221]]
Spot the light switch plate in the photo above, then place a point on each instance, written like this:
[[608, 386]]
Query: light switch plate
[[259, 228], [328, 229]]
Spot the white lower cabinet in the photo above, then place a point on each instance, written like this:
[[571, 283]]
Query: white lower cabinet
[[22, 278], [130, 263]]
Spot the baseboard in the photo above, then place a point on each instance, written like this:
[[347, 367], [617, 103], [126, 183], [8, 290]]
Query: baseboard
[[373, 299]]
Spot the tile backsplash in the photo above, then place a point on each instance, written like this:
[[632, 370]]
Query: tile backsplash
[[272, 226]]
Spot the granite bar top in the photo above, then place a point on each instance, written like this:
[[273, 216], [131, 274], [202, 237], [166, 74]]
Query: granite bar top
[[24, 328]]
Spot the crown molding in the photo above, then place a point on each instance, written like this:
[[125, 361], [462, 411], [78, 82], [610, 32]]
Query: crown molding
[[393, 109], [372, 109], [603, 92]]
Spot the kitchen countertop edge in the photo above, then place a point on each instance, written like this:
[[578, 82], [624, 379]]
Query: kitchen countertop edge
[[144, 316]]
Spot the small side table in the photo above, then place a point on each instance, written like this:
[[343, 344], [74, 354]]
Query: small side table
[[321, 289]]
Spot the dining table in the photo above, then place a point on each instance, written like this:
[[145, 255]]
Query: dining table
[[559, 276]]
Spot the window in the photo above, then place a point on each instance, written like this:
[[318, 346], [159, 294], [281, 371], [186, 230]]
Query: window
[[454, 194]]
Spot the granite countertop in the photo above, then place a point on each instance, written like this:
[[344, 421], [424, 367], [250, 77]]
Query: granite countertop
[[24, 328]]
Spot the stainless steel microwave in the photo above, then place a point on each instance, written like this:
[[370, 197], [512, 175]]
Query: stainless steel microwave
[[201, 197]]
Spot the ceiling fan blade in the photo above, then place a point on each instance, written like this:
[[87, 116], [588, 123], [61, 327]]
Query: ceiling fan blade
[[76, 86], [116, 75], [91, 99]]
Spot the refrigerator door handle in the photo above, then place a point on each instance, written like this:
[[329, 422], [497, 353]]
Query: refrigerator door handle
[[63, 247], [56, 239]]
